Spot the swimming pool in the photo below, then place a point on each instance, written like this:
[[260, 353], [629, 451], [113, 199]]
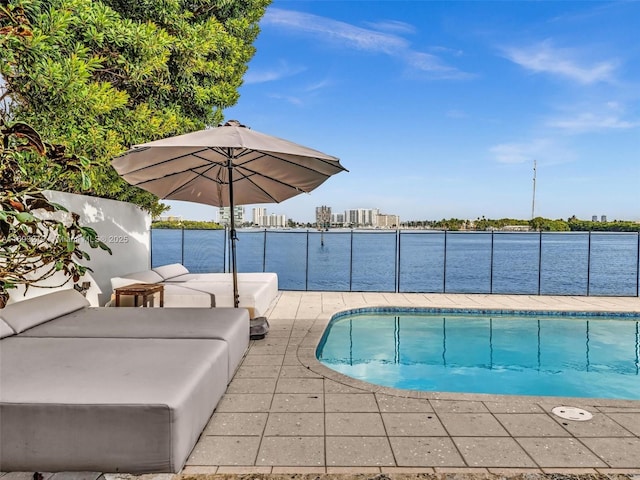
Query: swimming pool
[[515, 353]]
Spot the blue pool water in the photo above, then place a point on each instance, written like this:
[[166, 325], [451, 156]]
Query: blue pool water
[[519, 354]]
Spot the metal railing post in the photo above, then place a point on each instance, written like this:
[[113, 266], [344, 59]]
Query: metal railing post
[[306, 267], [540, 263], [224, 250], [182, 245], [398, 247], [638, 268], [588, 262], [351, 263], [264, 251], [491, 266], [444, 265]]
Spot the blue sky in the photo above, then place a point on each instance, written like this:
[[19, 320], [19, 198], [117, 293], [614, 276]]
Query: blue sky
[[439, 109]]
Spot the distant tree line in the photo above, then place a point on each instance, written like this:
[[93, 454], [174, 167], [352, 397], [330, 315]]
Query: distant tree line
[[481, 224], [537, 224], [187, 225]]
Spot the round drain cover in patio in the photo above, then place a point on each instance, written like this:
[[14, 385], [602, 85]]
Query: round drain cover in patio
[[572, 413]]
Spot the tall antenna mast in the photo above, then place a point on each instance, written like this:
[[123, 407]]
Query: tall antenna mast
[[533, 203]]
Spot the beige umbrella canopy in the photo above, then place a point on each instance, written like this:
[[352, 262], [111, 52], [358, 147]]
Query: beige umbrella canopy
[[226, 166]]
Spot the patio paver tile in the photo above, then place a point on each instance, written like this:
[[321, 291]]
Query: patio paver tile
[[531, 425], [472, 425], [630, 421], [269, 349], [358, 451], [458, 406], [599, 426], [332, 386], [390, 403], [295, 424], [493, 452], [426, 451], [225, 450], [236, 424], [292, 402], [413, 425], [617, 452], [513, 407], [354, 424], [258, 371], [300, 385], [260, 359], [297, 371], [252, 385], [245, 402], [350, 402], [292, 451], [550, 452]]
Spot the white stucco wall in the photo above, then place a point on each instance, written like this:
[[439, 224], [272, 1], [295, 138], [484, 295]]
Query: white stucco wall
[[124, 227]]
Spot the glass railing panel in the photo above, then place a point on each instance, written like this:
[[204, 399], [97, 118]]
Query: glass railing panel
[[564, 263], [515, 262], [329, 261], [250, 250], [421, 261], [468, 268], [614, 264], [286, 255], [204, 250], [166, 246], [374, 261]]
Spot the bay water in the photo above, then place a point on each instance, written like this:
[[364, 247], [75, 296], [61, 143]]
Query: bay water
[[432, 261]]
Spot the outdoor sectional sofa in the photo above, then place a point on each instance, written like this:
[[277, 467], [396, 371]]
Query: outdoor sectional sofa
[[110, 389], [183, 289]]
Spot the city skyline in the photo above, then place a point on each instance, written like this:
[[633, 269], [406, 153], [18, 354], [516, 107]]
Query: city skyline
[[439, 109]]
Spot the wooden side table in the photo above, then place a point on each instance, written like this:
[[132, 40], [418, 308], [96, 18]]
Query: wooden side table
[[145, 291]]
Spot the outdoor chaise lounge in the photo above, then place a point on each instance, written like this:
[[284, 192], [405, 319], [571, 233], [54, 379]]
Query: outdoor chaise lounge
[[183, 289], [110, 390]]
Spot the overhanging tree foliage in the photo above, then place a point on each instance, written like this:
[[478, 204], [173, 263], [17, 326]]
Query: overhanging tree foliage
[[100, 76], [36, 241]]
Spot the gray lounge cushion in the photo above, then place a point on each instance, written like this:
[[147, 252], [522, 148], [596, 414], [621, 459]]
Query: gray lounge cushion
[[106, 405], [228, 324], [5, 329], [27, 313]]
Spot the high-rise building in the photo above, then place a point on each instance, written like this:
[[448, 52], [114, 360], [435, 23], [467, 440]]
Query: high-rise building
[[387, 221], [323, 216], [337, 219], [361, 217], [259, 216], [594, 218], [238, 216], [276, 221], [603, 218]]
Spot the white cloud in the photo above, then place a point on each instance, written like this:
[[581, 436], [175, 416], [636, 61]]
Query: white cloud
[[364, 39], [543, 150], [394, 26], [544, 57], [281, 70], [293, 100], [348, 35], [511, 153], [319, 85], [590, 122]]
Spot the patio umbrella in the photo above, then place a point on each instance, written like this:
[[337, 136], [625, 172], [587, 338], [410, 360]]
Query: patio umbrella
[[226, 166]]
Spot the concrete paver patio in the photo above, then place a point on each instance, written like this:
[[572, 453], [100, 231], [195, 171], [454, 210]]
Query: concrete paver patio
[[284, 412]]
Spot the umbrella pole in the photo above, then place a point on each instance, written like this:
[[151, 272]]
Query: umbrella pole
[[233, 234]]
